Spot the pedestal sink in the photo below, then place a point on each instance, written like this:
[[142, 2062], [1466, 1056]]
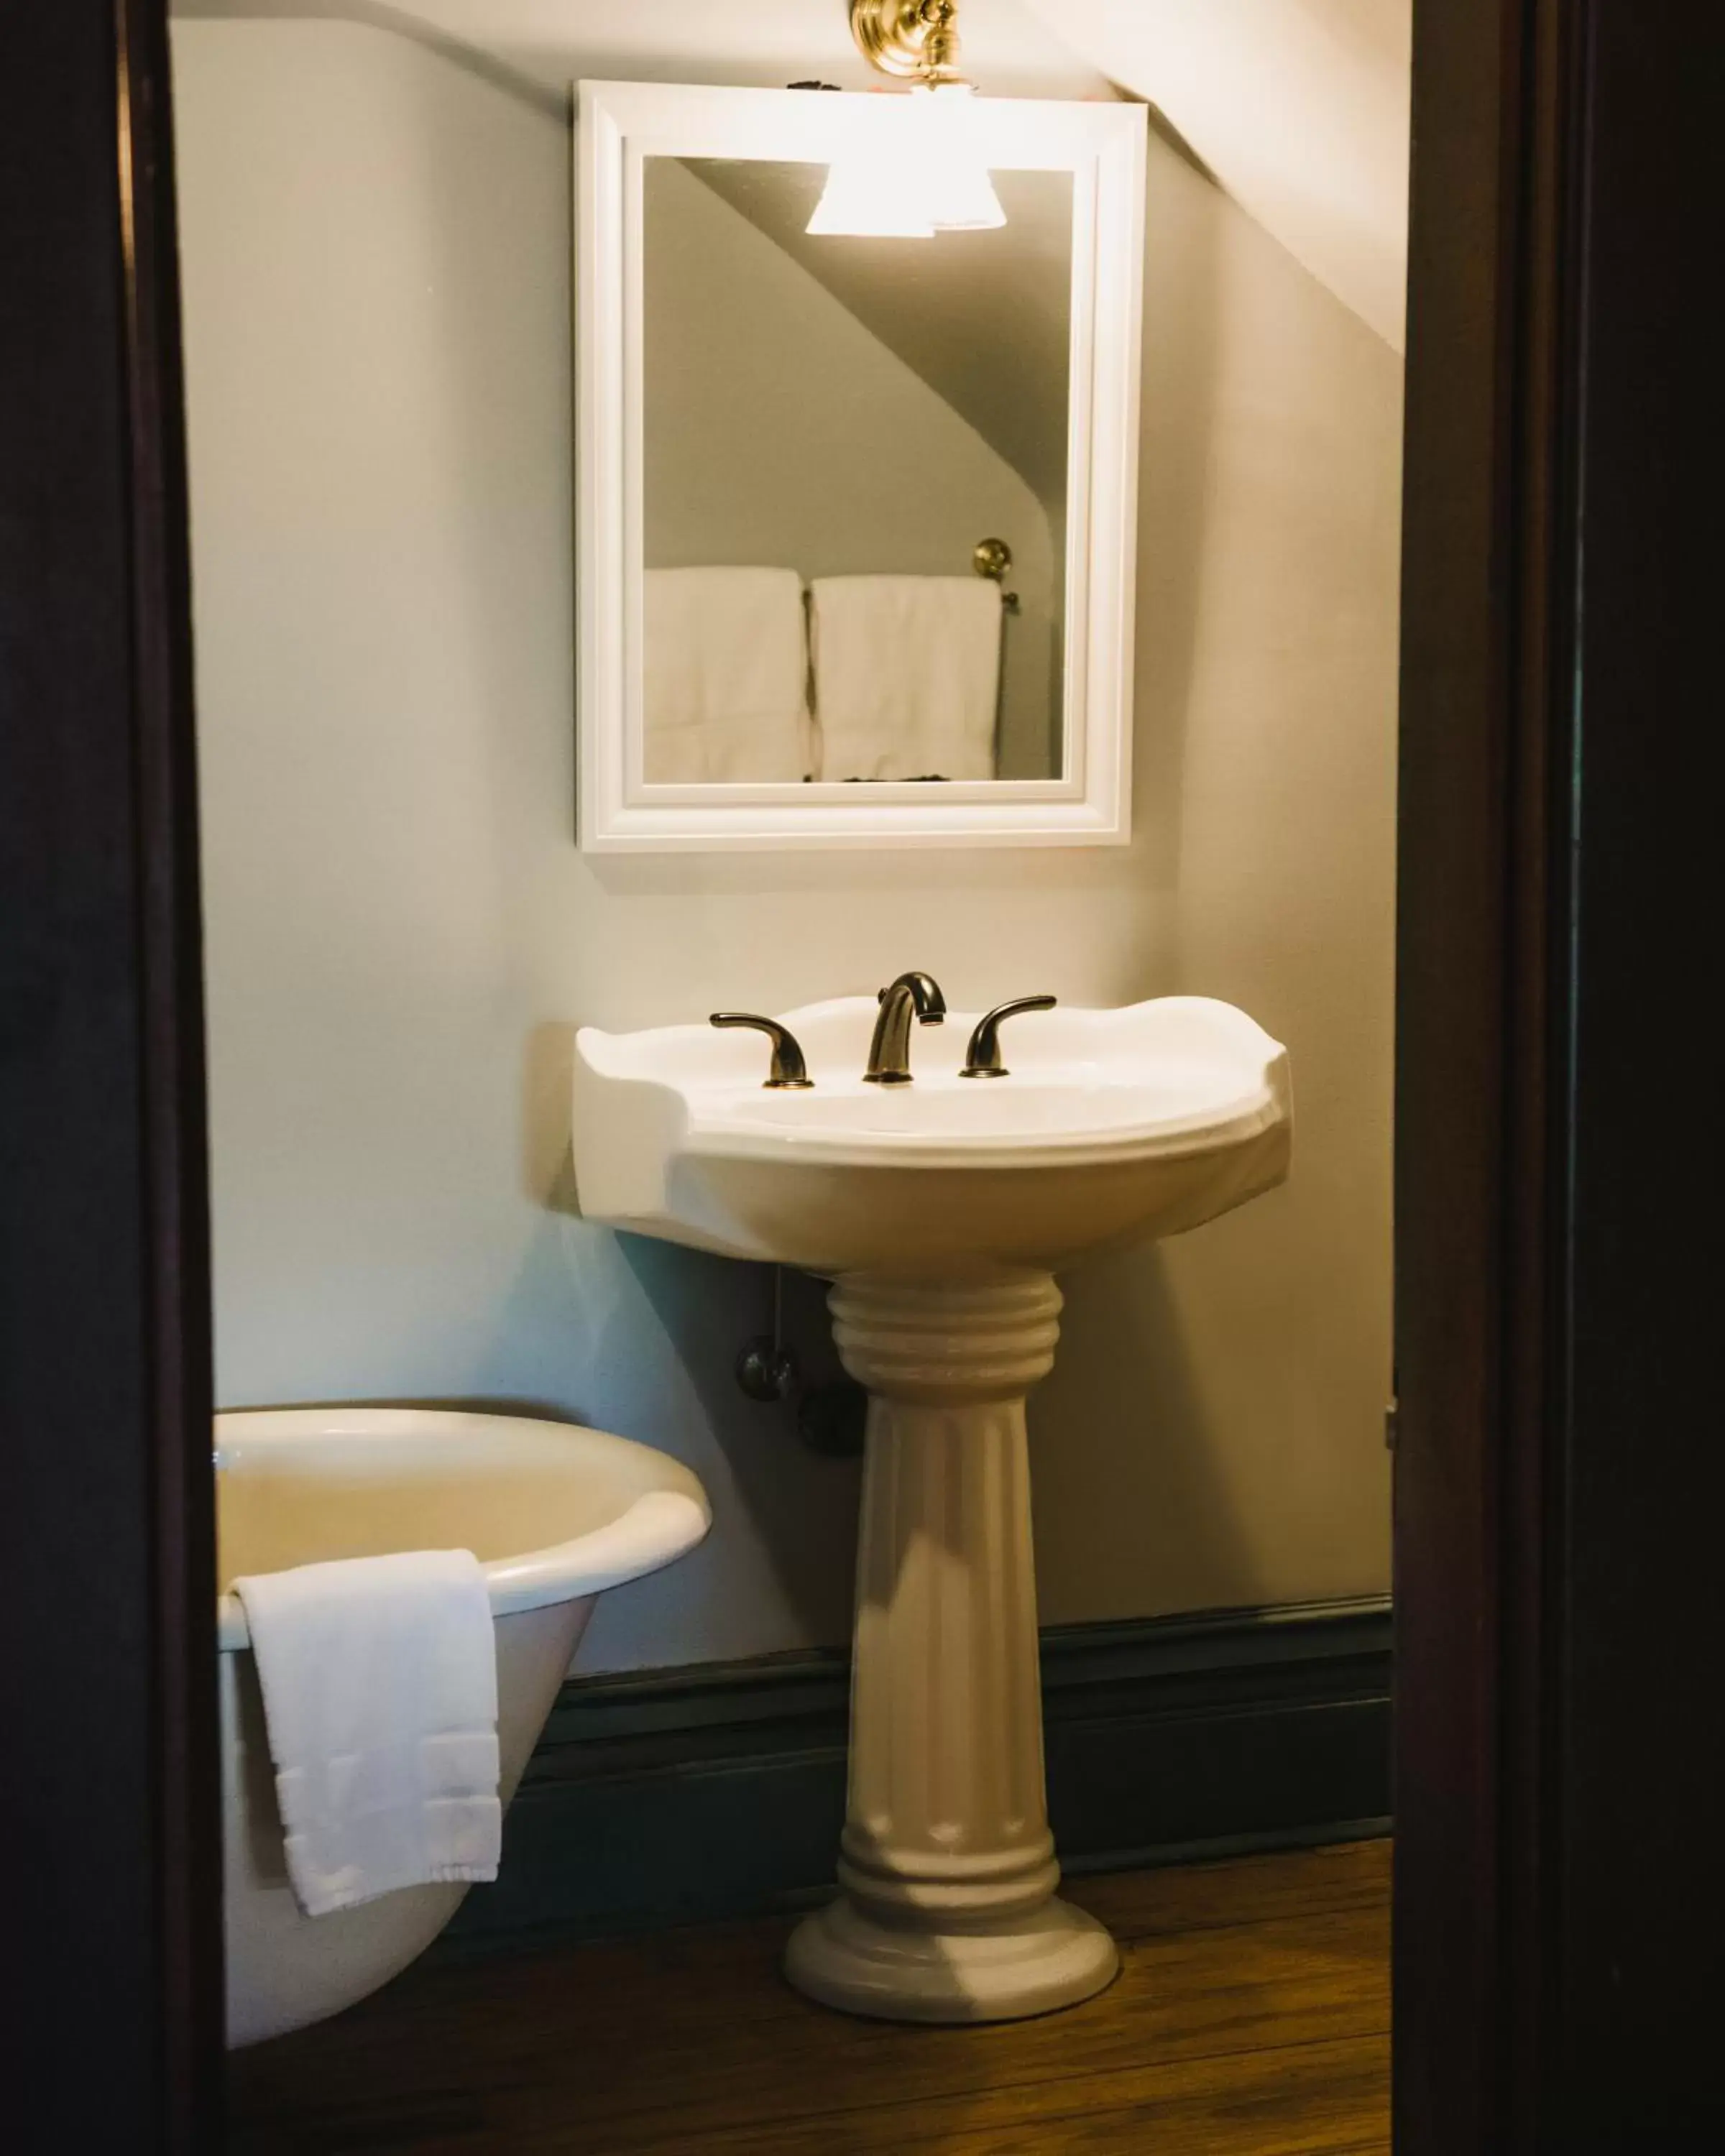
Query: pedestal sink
[[940, 1210]]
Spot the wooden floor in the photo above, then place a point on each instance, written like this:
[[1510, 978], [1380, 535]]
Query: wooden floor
[[1251, 2018]]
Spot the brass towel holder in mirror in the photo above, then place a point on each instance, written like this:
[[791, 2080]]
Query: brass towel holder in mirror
[[992, 558]]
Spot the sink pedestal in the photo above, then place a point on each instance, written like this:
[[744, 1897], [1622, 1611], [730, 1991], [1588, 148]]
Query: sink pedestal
[[946, 1909]]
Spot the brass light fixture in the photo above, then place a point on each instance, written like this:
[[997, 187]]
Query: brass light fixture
[[929, 179], [908, 36]]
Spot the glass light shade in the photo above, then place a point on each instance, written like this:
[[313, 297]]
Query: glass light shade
[[924, 177], [870, 198], [953, 184]]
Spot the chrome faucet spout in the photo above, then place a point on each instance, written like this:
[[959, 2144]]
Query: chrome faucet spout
[[916, 995]]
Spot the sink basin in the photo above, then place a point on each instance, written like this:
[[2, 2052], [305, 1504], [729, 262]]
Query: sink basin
[[940, 1210], [1112, 1127]]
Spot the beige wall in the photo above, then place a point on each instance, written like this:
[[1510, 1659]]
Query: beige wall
[[1299, 107], [780, 430], [1242, 1370], [402, 933]]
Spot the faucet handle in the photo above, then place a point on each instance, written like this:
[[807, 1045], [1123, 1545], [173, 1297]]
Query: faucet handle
[[982, 1059], [788, 1069]]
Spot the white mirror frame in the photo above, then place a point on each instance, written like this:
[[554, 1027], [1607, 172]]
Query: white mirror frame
[[1103, 146]]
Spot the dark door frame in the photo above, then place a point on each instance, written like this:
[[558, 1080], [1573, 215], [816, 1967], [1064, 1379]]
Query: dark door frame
[[1482, 962], [1558, 1887], [111, 1795], [1555, 1598]]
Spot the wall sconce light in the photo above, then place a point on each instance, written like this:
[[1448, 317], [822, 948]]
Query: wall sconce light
[[927, 176]]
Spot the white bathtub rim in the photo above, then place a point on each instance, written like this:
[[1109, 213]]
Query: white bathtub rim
[[659, 1526]]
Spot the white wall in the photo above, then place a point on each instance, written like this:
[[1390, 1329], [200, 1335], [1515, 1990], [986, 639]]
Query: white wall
[[402, 933], [779, 429]]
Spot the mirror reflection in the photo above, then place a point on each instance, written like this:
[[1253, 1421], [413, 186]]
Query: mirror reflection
[[854, 485]]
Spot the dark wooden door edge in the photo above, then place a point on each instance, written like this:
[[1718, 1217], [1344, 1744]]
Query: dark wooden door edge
[[174, 1097], [1484, 996], [114, 1918], [1559, 1617]]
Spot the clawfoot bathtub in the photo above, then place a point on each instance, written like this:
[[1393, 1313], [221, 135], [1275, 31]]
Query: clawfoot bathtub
[[554, 1513]]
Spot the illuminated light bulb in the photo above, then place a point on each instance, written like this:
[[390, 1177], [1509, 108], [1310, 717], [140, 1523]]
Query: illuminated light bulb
[[870, 198], [923, 177], [953, 187]]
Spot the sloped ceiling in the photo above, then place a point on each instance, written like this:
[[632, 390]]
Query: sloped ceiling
[[1299, 108], [982, 317]]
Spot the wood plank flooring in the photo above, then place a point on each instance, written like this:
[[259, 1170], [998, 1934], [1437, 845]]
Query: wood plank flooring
[[1251, 2018]]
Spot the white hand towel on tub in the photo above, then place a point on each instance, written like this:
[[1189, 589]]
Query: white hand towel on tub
[[906, 675], [379, 1676], [726, 663]]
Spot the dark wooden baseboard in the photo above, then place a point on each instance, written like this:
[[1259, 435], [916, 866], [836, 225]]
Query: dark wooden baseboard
[[668, 1796]]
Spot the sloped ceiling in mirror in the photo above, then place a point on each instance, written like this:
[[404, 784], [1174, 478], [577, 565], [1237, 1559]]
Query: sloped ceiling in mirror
[[1299, 108], [994, 348]]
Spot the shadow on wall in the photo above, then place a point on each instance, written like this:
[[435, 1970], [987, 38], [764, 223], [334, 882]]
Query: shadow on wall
[[802, 1511], [1176, 425], [548, 1108], [1134, 1514], [806, 1527]]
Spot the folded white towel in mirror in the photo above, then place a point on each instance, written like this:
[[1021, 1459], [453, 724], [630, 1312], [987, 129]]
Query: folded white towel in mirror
[[379, 1676], [906, 675], [725, 669]]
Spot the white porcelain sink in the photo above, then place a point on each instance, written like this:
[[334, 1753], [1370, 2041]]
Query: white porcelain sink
[[942, 1208], [1110, 1126]]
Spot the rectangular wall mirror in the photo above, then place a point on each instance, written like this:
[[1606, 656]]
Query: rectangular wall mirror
[[856, 505]]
